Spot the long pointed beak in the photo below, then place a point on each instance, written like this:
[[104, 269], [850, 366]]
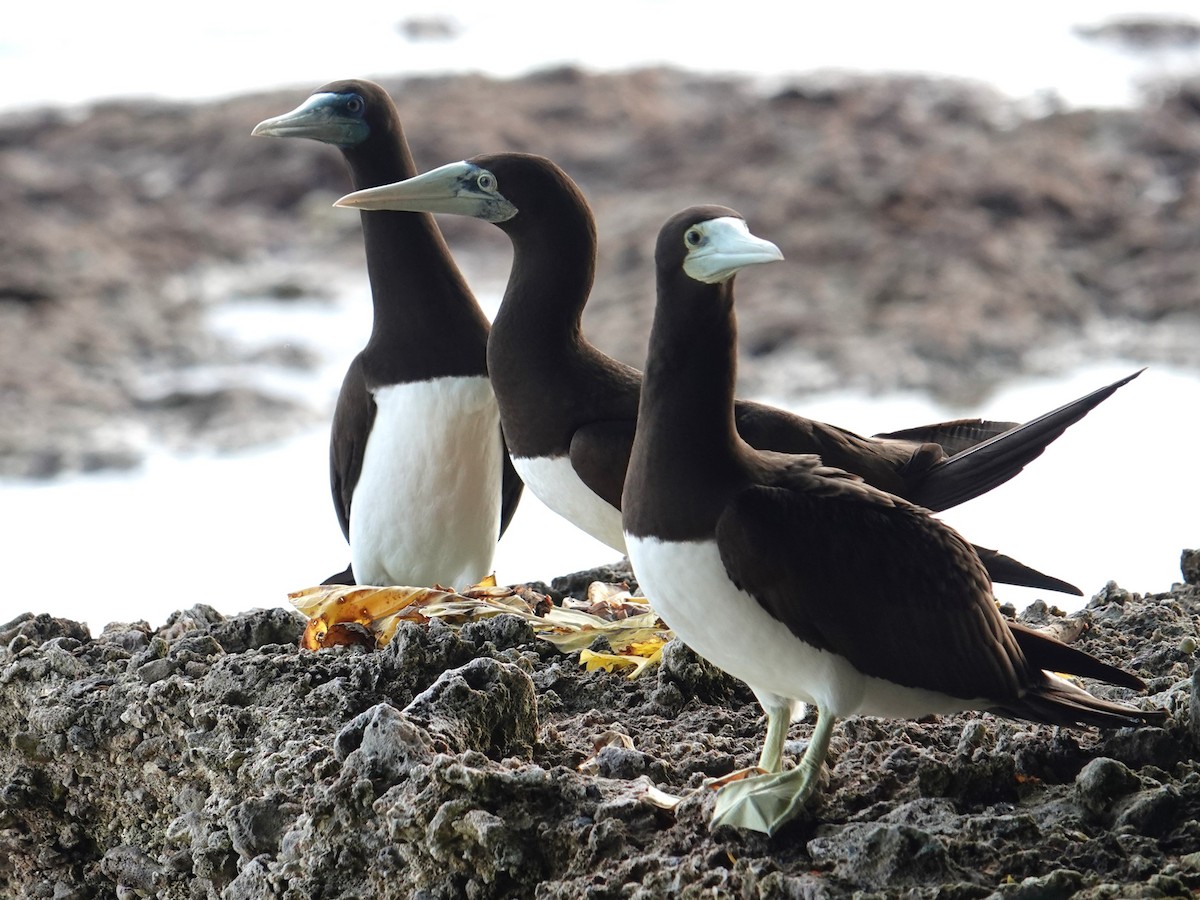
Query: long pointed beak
[[452, 188], [730, 248], [317, 118]]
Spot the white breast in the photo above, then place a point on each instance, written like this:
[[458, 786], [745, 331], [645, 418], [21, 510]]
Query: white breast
[[426, 508], [555, 483], [687, 586]]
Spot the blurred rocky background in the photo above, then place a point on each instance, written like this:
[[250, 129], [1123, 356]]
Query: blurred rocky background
[[938, 237]]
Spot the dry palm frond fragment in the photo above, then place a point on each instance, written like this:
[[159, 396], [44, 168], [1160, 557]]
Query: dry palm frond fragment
[[369, 616]]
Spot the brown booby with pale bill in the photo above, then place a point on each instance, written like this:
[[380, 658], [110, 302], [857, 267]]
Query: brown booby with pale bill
[[569, 410], [422, 483], [801, 579]]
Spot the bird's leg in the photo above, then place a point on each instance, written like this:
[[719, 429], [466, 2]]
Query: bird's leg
[[765, 803], [779, 717]]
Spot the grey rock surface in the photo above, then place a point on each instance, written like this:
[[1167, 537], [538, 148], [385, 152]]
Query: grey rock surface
[[213, 758]]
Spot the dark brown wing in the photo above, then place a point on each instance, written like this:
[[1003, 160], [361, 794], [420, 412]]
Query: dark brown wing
[[953, 437], [889, 465], [600, 455], [511, 488], [859, 573], [352, 421]]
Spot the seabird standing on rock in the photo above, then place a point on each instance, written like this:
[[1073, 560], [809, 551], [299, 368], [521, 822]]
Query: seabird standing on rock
[[421, 481], [799, 578], [569, 410]]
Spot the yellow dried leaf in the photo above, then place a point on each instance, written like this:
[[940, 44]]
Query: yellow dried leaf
[[376, 613], [593, 661], [376, 610], [648, 647], [360, 603], [610, 661]]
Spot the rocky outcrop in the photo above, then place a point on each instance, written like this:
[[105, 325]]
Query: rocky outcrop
[[213, 758]]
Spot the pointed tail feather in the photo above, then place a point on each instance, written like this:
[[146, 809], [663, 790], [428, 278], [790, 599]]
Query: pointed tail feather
[[1057, 702], [1044, 652], [992, 462], [1007, 570]]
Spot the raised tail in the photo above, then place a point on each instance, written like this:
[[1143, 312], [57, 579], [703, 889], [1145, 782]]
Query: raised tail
[[993, 461]]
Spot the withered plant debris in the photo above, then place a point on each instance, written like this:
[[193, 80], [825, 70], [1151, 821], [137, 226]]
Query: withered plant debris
[[368, 616]]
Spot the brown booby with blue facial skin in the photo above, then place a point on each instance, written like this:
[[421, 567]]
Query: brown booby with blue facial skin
[[804, 581], [422, 484], [569, 411]]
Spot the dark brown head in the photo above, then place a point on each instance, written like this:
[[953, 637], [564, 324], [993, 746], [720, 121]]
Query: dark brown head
[[353, 113], [515, 191]]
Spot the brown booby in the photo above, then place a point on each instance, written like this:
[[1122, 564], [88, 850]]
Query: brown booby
[[422, 484], [569, 411], [799, 578]]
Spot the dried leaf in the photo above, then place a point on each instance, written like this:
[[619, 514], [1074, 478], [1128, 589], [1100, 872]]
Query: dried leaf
[[630, 627], [348, 634], [611, 661], [369, 607], [660, 798], [716, 784], [593, 661], [359, 603], [611, 602], [648, 648], [602, 591], [610, 738]]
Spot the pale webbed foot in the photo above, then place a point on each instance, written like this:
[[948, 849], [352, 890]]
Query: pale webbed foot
[[765, 802]]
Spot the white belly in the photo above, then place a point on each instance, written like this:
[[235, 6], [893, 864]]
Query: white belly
[[687, 586], [426, 509], [555, 483]]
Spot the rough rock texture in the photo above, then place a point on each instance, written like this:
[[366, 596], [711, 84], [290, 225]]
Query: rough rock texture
[[938, 237], [213, 758]]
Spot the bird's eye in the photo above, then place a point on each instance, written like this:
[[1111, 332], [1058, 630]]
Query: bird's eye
[[693, 238], [486, 182], [355, 104]]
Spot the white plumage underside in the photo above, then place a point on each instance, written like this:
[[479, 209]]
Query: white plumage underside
[[426, 508], [687, 586], [553, 481]]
